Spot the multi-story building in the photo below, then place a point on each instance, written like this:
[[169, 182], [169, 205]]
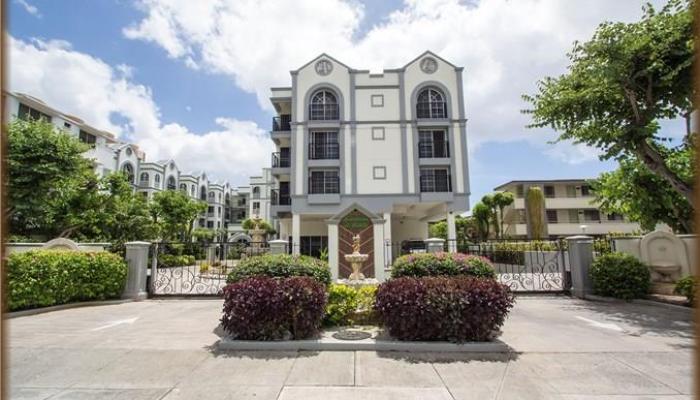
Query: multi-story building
[[227, 207], [380, 155], [569, 210], [260, 195]]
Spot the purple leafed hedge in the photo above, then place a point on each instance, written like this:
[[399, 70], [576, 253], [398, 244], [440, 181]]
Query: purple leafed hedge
[[455, 309], [262, 308]]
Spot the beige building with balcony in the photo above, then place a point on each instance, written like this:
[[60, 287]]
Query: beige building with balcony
[[569, 210]]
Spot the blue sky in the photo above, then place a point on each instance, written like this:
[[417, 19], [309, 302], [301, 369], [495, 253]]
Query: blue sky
[[199, 82]]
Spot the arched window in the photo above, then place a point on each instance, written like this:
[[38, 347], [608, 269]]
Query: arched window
[[144, 179], [211, 196], [193, 191], [323, 106], [171, 183], [431, 104], [128, 169], [256, 192], [227, 199], [158, 181], [183, 188], [203, 193]]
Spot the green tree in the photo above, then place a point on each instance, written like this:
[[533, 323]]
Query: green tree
[[47, 174], [490, 201], [620, 84], [502, 200], [482, 215], [125, 214], [204, 234], [535, 211], [174, 213], [642, 196], [465, 227], [248, 224]]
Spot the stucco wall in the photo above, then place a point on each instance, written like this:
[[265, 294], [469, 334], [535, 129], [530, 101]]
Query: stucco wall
[[379, 153]]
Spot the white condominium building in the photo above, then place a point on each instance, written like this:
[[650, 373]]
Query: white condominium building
[[379, 155], [569, 210]]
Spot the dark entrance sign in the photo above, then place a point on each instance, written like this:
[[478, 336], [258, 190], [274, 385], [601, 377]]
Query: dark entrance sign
[[355, 221]]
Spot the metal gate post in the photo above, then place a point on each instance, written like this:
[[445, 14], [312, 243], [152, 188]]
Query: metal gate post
[[580, 260]]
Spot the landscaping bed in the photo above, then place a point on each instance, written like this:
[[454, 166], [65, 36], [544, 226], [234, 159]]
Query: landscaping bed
[[433, 301]]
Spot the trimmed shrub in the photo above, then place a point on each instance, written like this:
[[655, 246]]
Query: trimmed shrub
[[169, 260], [620, 275], [280, 266], [687, 286], [456, 309], [442, 264], [44, 278], [350, 306], [263, 308]]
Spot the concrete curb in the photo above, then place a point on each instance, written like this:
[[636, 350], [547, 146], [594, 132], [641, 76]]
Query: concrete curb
[[647, 302], [496, 346], [35, 311]]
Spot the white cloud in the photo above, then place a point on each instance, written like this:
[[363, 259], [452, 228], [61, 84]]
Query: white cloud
[[31, 9], [79, 84], [505, 46]]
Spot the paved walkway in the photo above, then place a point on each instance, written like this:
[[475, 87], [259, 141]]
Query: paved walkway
[[165, 349]]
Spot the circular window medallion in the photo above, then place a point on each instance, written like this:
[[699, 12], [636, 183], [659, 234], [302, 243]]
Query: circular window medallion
[[428, 65], [323, 67], [351, 334]]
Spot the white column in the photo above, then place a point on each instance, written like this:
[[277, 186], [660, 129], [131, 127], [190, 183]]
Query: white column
[[378, 229], [333, 250], [451, 233], [296, 233], [388, 257]]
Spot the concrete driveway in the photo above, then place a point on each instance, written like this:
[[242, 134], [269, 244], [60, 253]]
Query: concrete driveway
[[165, 349]]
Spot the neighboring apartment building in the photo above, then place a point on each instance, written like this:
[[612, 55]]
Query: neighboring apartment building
[[569, 210], [227, 207], [376, 154]]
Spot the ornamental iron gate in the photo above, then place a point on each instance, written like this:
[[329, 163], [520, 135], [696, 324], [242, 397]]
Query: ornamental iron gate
[[196, 268]]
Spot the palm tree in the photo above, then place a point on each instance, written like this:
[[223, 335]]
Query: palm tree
[[503, 200]]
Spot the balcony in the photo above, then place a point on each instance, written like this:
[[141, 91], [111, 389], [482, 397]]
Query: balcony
[[280, 160], [280, 199], [434, 149], [281, 123], [430, 183], [324, 112], [324, 151]]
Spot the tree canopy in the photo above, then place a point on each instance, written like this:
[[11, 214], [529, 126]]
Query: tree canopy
[[619, 85]]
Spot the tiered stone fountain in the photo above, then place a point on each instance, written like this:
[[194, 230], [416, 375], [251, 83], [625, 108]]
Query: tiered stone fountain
[[356, 259], [257, 234]]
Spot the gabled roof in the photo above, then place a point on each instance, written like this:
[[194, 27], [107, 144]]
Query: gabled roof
[[318, 57], [354, 207], [430, 53]]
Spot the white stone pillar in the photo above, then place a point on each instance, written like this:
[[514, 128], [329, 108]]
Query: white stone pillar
[[137, 262], [333, 261], [378, 230], [296, 233], [451, 232], [388, 257]]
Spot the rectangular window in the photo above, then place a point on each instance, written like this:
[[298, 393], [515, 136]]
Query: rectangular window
[[549, 191], [66, 125], [256, 206], [570, 191], [591, 215], [377, 100], [573, 216], [377, 133], [88, 138], [210, 211], [615, 217], [519, 191], [379, 172], [521, 217], [313, 245], [433, 144], [435, 180], [25, 112], [324, 181], [552, 216], [323, 146], [210, 224], [201, 223], [585, 190]]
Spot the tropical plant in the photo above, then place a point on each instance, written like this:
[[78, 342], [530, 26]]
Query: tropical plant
[[482, 215], [688, 287], [175, 212], [502, 200], [264, 308], [281, 265], [442, 264], [457, 309], [490, 202]]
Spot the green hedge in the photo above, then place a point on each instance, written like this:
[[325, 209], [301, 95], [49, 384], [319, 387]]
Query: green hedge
[[349, 306], [47, 277], [620, 275], [169, 260], [281, 266], [442, 264]]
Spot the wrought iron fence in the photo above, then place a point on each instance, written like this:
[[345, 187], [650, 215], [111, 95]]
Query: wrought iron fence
[[196, 268]]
